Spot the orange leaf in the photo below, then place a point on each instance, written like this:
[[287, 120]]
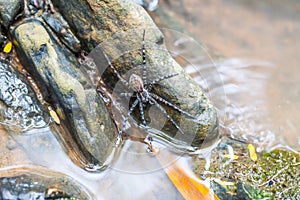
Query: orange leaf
[[190, 187]]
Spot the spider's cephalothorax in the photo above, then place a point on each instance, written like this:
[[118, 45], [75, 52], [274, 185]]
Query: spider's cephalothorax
[[142, 95], [136, 83]]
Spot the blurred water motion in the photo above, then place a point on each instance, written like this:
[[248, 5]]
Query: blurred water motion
[[259, 64], [240, 97]]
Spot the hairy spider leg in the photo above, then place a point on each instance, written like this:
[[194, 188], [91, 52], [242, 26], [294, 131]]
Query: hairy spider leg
[[149, 138], [119, 138], [160, 79], [144, 71], [158, 98], [164, 77], [141, 109], [126, 94], [166, 114], [115, 70]]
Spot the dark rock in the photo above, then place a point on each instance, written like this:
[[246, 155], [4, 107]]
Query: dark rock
[[82, 112], [118, 27], [2, 38], [221, 192], [243, 191], [38, 184], [62, 30], [9, 10]]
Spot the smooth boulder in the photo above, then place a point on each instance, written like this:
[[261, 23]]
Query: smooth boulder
[[86, 126], [118, 26]]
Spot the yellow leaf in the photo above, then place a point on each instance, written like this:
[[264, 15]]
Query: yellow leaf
[[224, 183], [8, 47], [252, 152], [39, 13], [231, 193], [54, 116], [235, 157]]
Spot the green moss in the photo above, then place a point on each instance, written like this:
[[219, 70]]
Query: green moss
[[275, 175]]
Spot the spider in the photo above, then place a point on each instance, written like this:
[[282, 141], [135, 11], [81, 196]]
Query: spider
[[141, 89]]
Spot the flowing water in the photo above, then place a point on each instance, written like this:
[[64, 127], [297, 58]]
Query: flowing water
[[254, 85], [259, 42]]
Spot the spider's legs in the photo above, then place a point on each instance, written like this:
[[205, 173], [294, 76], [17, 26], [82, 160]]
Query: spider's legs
[[144, 71], [115, 70], [165, 113], [148, 140], [158, 98], [126, 94], [160, 79], [149, 87], [119, 138], [141, 110]]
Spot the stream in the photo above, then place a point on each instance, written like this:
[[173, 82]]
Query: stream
[[247, 63], [259, 43]]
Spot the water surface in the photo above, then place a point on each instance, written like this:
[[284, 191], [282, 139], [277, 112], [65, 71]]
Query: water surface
[[246, 59], [259, 43]]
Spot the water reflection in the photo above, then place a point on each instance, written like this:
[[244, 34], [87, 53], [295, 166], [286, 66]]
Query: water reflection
[[265, 31], [237, 87], [242, 107], [130, 176]]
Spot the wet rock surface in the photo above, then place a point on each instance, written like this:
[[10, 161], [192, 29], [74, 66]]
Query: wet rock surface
[[9, 11], [72, 93], [68, 88], [18, 106], [49, 51], [120, 35], [37, 184], [61, 28]]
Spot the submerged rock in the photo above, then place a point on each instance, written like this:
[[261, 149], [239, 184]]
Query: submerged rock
[[86, 126], [242, 192], [37, 184], [118, 26], [9, 10], [19, 108]]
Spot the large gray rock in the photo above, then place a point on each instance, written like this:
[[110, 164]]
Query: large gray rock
[[86, 127], [118, 25]]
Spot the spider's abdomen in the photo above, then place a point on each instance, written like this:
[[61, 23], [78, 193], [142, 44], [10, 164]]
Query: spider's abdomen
[[136, 83]]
